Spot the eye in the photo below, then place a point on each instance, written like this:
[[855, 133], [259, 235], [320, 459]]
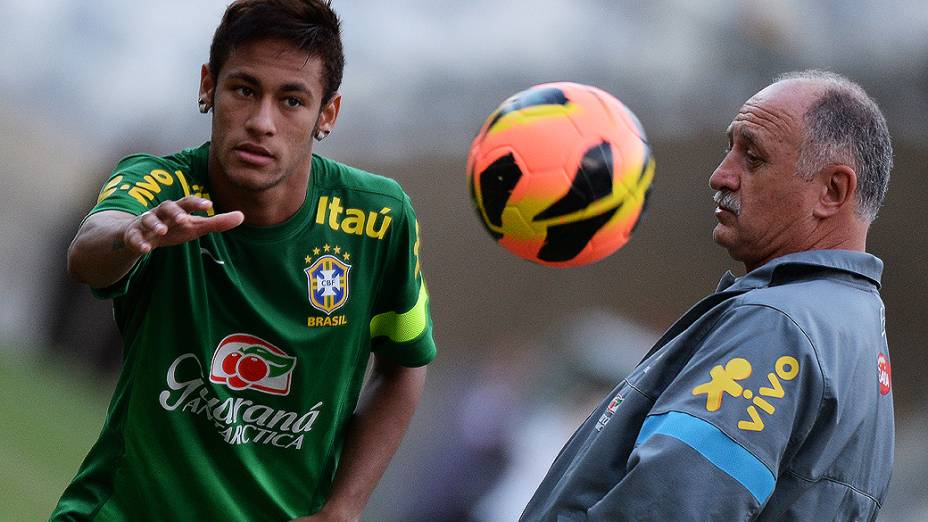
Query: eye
[[753, 159], [293, 102], [247, 92]]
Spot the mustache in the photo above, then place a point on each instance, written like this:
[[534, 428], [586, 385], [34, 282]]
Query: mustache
[[726, 200]]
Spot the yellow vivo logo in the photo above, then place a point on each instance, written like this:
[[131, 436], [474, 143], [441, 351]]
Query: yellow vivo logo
[[148, 189], [724, 382]]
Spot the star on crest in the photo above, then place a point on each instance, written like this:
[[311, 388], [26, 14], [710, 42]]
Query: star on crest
[[327, 248]]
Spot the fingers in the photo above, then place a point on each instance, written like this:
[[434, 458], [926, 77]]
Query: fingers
[[141, 233], [177, 212], [173, 222], [219, 222], [193, 204], [150, 224], [151, 229], [226, 221]]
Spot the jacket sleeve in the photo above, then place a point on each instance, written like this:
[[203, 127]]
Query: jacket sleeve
[[714, 442]]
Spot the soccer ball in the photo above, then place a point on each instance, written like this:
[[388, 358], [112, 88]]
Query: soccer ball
[[560, 174]]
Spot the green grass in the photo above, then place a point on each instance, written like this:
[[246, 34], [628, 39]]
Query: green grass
[[50, 417]]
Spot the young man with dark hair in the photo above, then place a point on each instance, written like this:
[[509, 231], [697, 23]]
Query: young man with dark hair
[[252, 280]]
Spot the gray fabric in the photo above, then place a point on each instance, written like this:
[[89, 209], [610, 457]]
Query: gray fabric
[[810, 326]]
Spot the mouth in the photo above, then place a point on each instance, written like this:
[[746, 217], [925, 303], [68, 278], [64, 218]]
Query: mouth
[[719, 212], [254, 154]]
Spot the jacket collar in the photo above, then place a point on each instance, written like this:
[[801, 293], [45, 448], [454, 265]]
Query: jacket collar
[[859, 264]]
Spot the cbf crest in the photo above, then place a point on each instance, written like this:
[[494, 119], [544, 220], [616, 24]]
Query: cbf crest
[[328, 283]]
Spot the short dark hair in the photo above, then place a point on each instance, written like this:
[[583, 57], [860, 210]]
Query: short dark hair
[[311, 25], [845, 125]]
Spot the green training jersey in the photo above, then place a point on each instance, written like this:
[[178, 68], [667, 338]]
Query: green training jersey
[[245, 351]]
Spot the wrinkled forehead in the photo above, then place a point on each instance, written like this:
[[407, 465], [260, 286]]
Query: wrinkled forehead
[[777, 111]]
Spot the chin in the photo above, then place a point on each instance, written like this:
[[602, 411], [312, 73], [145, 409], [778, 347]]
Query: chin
[[729, 243], [252, 180], [719, 236]]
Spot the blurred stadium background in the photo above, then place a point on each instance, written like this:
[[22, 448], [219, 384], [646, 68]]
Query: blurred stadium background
[[524, 350]]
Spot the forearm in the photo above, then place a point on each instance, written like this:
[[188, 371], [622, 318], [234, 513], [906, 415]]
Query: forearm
[[98, 255], [110, 242], [383, 415]]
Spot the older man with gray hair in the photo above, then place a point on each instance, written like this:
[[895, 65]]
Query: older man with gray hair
[[770, 399]]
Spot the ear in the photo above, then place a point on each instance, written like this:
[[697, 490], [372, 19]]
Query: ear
[[838, 190], [328, 115], [207, 85]]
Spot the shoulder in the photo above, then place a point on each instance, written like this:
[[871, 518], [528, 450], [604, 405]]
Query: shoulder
[[140, 182], [822, 306], [841, 322], [187, 160], [149, 178], [334, 176], [754, 327]]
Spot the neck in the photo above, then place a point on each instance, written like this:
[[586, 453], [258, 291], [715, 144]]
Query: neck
[[847, 232], [850, 235], [262, 208]]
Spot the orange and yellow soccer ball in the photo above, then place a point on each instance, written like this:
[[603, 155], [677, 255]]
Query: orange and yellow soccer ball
[[560, 174]]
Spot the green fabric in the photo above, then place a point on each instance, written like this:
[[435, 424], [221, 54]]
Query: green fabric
[[245, 351]]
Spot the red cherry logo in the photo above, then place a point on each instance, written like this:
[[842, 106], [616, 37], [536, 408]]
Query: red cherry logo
[[230, 362], [236, 383], [252, 368]]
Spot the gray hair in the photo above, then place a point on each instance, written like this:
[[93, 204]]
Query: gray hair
[[845, 125]]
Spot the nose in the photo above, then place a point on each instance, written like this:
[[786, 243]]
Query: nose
[[725, 175], [261, 119]]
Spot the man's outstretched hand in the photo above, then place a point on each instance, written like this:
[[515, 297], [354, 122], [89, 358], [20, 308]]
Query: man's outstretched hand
[[110, 242], [173, 222]]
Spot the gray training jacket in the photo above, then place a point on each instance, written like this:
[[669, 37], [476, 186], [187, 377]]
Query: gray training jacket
[[769, 400]]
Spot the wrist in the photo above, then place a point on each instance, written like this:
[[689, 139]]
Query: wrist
[[333, 511]]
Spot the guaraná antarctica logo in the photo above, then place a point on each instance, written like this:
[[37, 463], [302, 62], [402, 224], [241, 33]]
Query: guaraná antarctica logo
[[244, 361], [240, 420]]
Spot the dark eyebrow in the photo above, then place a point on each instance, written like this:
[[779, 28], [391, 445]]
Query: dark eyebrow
[[749, 136], [287, 87], [745, 134], [245, 77], [295, 87]]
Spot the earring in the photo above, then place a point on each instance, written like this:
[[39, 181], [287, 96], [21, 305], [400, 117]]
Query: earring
[[204, 107], [322, 134]]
